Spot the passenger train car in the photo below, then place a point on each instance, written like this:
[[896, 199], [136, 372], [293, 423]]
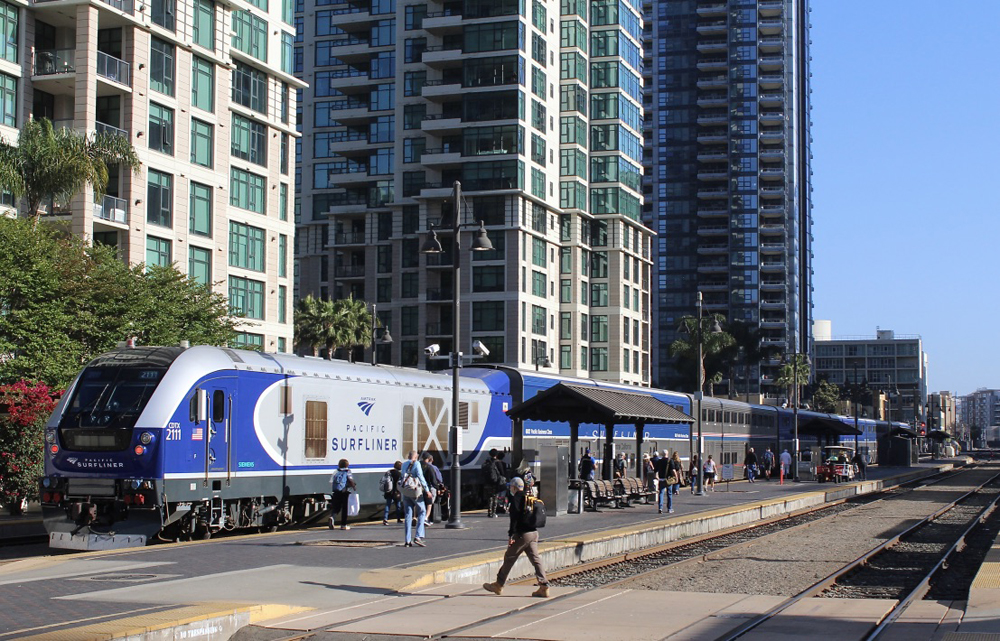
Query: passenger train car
[[176, 442]]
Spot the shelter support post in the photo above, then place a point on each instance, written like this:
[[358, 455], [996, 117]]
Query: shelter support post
[[574, 438], [517, 443], [609, 451], [639, 429]]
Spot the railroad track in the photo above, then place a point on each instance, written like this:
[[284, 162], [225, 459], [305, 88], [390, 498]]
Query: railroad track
[[901, 568]]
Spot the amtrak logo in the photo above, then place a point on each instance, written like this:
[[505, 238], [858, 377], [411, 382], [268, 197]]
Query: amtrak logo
[[366, 406], [72, 460]]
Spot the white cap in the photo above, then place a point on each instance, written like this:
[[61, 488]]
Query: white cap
[[517, 482]]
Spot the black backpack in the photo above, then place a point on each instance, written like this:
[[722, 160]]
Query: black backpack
[[490, 472], [534, 512]]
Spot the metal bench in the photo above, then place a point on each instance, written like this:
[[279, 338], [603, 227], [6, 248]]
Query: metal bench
[[631, 489]]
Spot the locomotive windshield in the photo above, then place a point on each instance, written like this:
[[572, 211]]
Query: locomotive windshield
[[105, 406]]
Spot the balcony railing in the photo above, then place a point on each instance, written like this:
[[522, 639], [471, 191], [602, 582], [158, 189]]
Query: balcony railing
[[114, 69], [439, 293], [349, 238], [438, 329], [113, 209], [125, 6], [52, 61], [104, 128], [350, 271]]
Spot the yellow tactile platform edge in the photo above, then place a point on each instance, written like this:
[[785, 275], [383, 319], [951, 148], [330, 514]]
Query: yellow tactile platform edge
[[971, 636], [989, 573], [163, 619]]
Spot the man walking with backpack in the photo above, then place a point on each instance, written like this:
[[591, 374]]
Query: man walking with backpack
[[522, 538]]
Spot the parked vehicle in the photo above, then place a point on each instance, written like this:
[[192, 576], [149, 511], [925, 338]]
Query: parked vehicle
[[835, 464]]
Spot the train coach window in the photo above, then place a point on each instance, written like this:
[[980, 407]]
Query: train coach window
[[218, 406], [315, 429], [727, 417]]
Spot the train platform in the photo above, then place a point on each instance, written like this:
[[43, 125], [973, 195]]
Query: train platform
[[357, 579], [23, 525]]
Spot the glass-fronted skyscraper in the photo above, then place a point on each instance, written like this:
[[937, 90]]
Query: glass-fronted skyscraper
[[536, 108], [727, 186]]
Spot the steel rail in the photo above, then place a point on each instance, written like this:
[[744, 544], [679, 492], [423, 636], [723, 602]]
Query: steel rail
[[828, 581]]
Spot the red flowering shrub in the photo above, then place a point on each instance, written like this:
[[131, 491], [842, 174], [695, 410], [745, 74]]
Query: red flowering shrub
[[24, 409]]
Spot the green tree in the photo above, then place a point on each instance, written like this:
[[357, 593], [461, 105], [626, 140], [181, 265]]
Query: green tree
[[794, 373], [57, 163], [65, 301], [685, 350], [825, 397], [24, 409], [747, 350], [355, 324]]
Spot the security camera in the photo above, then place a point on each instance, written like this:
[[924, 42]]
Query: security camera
[[432, 350], [479, 348]]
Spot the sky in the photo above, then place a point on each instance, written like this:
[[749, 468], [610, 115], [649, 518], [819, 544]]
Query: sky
[[906, 146]]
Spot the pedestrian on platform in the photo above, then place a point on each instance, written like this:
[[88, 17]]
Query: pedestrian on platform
[[587, 466], [620, 465], [859, 461], [786, 464], [750, 464], [522, 538], [648, 472], [709, 474], [767, 464], [677, 469], [492, 481], [693, 472], [343, 484], [390, 491], [434, 480], [664, 482], [414, 489]]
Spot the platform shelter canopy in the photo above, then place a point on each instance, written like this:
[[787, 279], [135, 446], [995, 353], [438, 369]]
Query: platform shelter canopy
[[823, 426], [570, 403]]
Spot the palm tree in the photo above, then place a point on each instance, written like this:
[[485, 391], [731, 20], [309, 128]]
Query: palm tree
[[685, 349], [354, 324], [57, 163], [314, 323], [794, 374]]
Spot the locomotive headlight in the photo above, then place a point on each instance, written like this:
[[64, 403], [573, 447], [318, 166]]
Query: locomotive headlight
[[46, 482], [50, 437], [134, 484], [145, 438]]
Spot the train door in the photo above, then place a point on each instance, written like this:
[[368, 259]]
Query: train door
[[219, 436]]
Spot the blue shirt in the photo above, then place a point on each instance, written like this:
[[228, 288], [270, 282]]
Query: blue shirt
[[417, 472]]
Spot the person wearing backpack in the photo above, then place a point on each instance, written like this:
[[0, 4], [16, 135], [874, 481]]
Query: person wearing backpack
[[414, 489], [388, 485], [343, 484], [491, 483], [522, 538]]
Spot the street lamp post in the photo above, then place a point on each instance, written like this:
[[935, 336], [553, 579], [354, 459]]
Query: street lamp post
[[385, 339], [699, 337], [433, 246], [795, 411]]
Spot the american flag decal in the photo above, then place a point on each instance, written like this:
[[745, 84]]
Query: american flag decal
[[198, 434]]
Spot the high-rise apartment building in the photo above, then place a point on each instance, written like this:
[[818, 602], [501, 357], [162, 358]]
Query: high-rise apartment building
[[728, 172], [889, 363], [204, 91], [536, 108], [980, 411]]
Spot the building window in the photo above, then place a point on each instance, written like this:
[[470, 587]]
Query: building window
[[246, 298], [283, 202], [202, 84], [283, 164], [8, 100], [599, 294], [488, 316], [246, 246], [538, 320], [250, 88], [538, 284], [599, 359], [200, 265], [162, 12], [282, 256], [161, 67], [409, 285], [599, 328], [158, 252], [201, 209], [160, 196], [161, 129], [249, 140], [282, 304], [246, 340], [8, 29], [247, 190], [201, 142], [250, 34], [203, 24], [287, 52], [488, 278]]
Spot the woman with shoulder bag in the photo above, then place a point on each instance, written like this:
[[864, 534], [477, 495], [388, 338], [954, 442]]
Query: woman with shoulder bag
[[343, 483], [414, 488]]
